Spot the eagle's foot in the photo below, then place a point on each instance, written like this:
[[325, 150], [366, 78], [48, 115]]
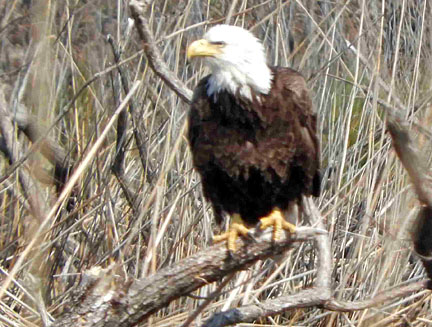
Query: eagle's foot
[[236, 229], [277, 220]]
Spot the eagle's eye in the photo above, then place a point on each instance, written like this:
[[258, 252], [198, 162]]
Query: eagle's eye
[[219, 43]]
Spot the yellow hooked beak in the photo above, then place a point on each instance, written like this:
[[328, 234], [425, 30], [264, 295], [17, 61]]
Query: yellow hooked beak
[[203, 48]]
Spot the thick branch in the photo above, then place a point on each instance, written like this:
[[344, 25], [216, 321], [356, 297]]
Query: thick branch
[[153, 54], [322, 242], [127, 305], [50, 149]]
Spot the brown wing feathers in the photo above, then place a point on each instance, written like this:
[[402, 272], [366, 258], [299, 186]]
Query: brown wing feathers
[[253, 156]]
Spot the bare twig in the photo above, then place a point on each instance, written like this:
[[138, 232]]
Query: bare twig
[[230, 11], [153, 54], [207, 301], [122, 122], [140, 134]]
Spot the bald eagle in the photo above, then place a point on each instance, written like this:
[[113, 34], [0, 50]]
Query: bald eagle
[[252, 133]]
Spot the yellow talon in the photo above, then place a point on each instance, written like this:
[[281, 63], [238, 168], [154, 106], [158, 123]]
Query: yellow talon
[[277, 220], [236, 228]]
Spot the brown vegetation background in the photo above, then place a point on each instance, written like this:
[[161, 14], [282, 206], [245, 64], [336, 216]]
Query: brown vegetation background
[[135, 202]]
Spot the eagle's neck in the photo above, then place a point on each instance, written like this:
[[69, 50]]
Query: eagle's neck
[[244, 79]]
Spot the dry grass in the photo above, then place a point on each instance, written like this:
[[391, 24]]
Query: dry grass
[[49, 50]]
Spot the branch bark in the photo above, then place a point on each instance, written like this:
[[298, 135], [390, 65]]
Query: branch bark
[[103, 303]]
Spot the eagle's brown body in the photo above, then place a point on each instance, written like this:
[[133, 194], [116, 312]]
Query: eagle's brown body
[[255, 155]]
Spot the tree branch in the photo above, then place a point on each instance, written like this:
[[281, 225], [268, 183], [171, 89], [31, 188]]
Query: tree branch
[[123, 304], [320, 295], [313, 297], [322, 243], [303, 299], [153, 54]]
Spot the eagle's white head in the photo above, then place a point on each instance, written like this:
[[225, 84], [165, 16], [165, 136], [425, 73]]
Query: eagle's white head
[[236, 59]]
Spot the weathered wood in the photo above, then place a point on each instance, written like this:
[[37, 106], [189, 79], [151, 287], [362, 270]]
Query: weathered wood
[[107, 301]]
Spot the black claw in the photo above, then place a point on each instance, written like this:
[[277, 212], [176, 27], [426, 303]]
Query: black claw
[[258, 231], [251, 235], [258, 226]]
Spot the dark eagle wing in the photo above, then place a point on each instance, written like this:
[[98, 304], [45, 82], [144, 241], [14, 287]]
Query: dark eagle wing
[[304, 125], [234, 140]]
